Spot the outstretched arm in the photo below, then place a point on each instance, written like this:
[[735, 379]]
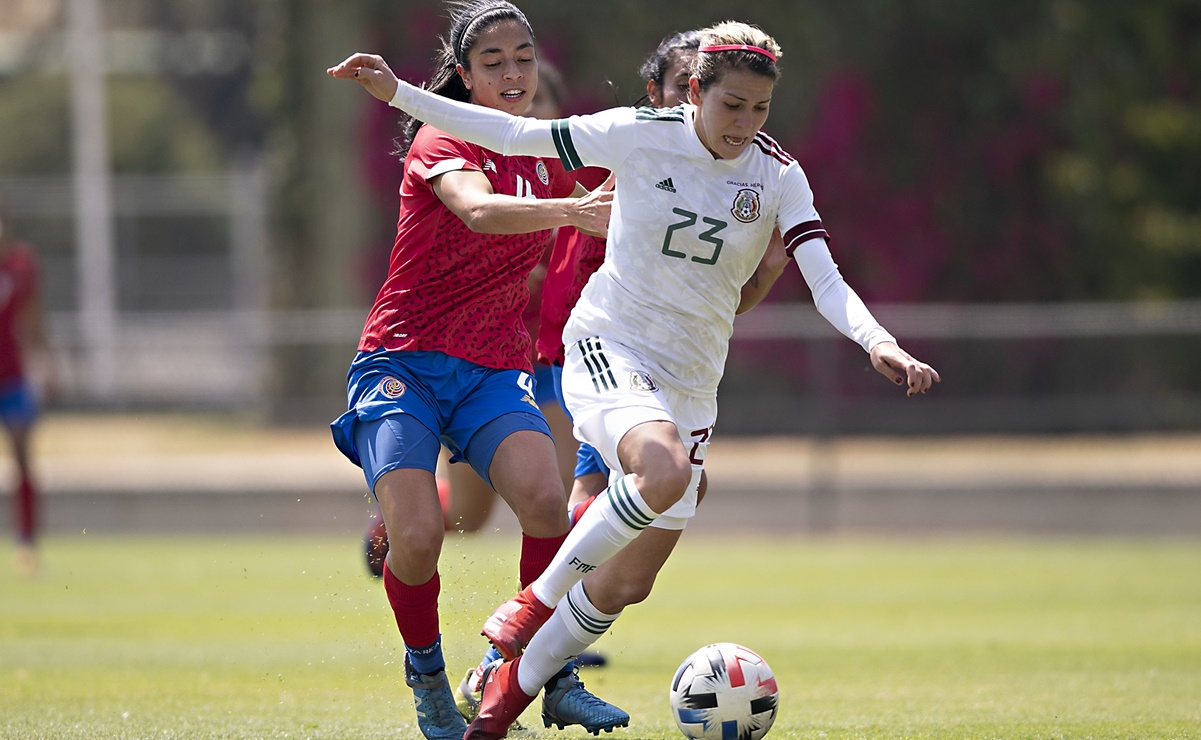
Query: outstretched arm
[[487, 127], [469, 196], [370, 71], [843, 308]]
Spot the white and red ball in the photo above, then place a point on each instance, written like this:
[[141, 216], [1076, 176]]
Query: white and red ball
[[724, 691]]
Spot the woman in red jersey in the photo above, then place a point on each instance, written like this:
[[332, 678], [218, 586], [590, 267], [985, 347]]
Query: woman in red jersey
[[444, 357]]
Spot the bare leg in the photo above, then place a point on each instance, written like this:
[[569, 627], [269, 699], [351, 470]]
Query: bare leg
[[585, 487], [408, 500], [525, 473], [25, 502], [627, 577], [565, 442]]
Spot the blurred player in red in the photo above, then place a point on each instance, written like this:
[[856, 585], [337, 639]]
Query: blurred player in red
[[22, 343], [444, 358]]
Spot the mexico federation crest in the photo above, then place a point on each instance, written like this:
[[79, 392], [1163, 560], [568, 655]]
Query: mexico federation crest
[[641, 381], [543, 175], [746, 206], [391, 387]]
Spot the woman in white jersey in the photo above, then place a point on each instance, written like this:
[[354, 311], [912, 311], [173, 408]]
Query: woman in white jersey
[[699, 190]]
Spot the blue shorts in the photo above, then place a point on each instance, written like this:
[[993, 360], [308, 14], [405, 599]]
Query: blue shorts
[[545, 390], [587, 459], [18, 405], [403, 405]]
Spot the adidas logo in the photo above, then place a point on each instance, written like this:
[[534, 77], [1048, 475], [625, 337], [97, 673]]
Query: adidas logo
[[666, 185]]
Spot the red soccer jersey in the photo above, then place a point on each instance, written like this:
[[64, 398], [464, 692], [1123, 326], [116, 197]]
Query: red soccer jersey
[[451, 290], [573, 259], [18, 286]]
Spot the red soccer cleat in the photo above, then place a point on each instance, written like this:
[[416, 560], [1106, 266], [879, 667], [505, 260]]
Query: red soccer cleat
[[502, 703], [514, 622]]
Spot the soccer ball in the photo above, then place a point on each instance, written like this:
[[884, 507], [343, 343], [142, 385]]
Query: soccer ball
[[724, 692]]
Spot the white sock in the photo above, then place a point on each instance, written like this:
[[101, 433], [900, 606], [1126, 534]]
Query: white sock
[[575, 625], [616, 517]]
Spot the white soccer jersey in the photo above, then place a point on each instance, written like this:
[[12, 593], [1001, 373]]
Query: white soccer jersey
[[686, 232]]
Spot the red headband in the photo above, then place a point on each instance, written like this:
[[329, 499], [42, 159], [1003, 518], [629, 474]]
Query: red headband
[[739, 47]]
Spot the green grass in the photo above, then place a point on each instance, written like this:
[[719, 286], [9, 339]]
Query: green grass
[[287, 637]]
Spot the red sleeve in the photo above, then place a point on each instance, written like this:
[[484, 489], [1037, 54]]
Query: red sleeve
[[562, 182], [436, 152], [591, 177]]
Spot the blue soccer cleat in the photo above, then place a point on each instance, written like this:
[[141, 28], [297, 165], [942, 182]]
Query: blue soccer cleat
[[437, 716], [567, 702]]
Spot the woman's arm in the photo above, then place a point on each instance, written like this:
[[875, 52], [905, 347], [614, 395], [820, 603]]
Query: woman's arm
[[834, 299], [469, 195], [487, 127], [769, 270], [843, 308]]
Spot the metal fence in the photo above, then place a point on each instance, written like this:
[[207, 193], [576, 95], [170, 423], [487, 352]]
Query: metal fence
[[191, 328]]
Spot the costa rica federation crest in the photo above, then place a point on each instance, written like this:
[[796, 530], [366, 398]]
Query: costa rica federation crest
[[746, 206], [392, 387], [543, 175]]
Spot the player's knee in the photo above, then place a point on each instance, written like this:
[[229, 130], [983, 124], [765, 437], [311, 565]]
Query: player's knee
[[618, 593], [413, 551], [542, 510], [665, 482]]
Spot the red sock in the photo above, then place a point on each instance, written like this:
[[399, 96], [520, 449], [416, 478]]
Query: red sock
[[577, 511], [26, 519], [536, 554], [415, 608]]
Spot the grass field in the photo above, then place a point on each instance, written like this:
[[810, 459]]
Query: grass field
[[287, 637]]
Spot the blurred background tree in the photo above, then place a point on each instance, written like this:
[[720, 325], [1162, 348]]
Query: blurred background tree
[[1026, 151]]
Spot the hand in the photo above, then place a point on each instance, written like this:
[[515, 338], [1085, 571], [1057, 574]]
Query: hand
[[902, 368], [370, 71], [592, 210]]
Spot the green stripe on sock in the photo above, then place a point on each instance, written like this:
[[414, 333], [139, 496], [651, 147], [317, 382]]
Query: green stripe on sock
[[590, 625], [624, 506]]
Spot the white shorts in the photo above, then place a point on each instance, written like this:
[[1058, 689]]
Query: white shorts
[[609, 389]]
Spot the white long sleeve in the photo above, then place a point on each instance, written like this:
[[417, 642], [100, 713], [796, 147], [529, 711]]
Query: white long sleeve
[[487, 127], [835, 300]]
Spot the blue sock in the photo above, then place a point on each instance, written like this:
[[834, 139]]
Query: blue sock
[[491, 655], [427, 659]]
